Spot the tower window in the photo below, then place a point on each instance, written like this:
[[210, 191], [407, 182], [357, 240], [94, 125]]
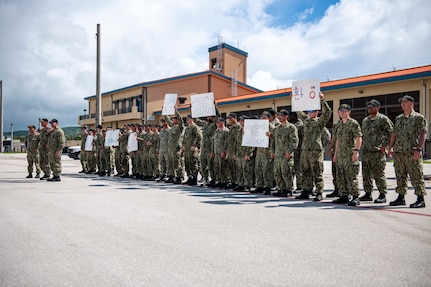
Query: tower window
[[214, 63]]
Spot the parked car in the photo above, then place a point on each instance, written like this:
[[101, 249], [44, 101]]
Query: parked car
[[74, 152]]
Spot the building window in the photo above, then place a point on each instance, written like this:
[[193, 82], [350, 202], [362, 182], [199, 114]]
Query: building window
[[389, 105], [214, 63]]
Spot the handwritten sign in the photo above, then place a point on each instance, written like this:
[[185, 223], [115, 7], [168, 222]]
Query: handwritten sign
[[112, 137], [89, 143], [305, 95], [132, 143], [255, 133], [169, 104], [203, 105]]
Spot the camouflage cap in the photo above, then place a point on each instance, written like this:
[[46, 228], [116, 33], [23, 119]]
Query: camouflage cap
[[406, 98], [373, 103], [283, 112], [345, 107]]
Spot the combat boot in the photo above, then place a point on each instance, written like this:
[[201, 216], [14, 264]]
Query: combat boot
[[177, 180], [399, 201], [170, 179], [305, 194], [366, 197], [354, 202], [37, 175], [54, 178], [318, 197], [420, 202], [267, 191], [341, 200], [335, 193], [193, 181], [45, 176], [29, 176], [381, 198]]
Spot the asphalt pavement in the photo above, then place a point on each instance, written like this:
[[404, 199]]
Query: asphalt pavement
[[88, 230]]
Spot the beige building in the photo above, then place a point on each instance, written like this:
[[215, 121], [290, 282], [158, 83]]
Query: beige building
[[226, 78]]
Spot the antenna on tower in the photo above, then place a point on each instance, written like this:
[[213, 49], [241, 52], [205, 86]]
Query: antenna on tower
[[219, 65]]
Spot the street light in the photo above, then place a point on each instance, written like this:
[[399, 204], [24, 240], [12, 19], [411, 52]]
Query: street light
[[11, 134]]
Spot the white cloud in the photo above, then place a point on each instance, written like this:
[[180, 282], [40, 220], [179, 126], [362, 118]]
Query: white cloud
[[48, 48]]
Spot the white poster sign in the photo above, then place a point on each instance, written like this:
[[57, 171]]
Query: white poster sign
[[89, 143], [132, 143], [203, 105], [112, 137], [169, 104], [255, 133], [305, 95]]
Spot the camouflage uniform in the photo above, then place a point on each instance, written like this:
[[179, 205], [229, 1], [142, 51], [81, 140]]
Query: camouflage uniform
[[92, 157], [32, 144], [219, 146], [245, 167], [335, 193], [312, 150], [145, 154], [43, 152], [299, 124], [124, 154], [83, 153], [285, 141], [192, 138], [174, 147], [232, 167], [163, 150], [347, 171], [263, 168], [153, 159], [99, 140], [208, 129], [376, 134], [55, 147], [117, 155], [407, 130], [105, 157]]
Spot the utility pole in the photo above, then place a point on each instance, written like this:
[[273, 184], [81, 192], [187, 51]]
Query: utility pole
[[1, 116], [98, 94]]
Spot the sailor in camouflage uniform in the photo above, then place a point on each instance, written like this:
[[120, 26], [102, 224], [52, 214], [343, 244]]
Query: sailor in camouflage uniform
[[285, 141], [335, 192], [56, 141], [219, 152], [163, 149], [191, 148], [263, 168], [208, 128], [377, 129], [234, 129], [153, 156], [407, 141], [125, 156], [175, 138], [32, 144], [83, 154], [312, 151], [244, 159], [43, 149], [297, 174], [347, 145]]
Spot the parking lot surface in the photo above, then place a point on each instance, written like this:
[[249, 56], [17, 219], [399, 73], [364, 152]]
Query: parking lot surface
[[88, 230]]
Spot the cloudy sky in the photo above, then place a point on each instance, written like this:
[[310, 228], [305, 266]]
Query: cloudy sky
[[48, 48]]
